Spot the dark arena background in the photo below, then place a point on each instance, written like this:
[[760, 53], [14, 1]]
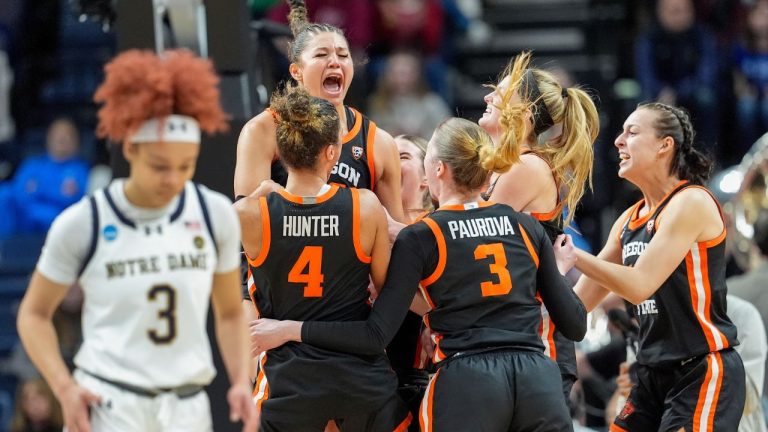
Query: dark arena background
[[440, 56]]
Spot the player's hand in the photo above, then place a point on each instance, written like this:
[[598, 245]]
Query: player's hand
[[565, 253], [242, 408], [427, 344], [623, 381], [265, 188], [75, 403], [267, 334]]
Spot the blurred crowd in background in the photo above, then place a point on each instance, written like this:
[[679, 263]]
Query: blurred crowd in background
[[417, 63]]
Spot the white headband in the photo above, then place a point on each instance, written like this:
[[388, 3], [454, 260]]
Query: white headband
[[174, 128]]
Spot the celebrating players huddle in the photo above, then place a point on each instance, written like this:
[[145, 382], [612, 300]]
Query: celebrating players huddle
[[484, 271]]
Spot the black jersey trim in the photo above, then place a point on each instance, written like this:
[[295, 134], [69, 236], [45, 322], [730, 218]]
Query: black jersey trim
[[118, 213], [94, 235], [206, 216], [180, 207]]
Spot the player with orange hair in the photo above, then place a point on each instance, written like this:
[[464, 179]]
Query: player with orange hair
[[155, 249]]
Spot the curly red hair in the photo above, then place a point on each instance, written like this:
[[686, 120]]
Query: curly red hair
[[140, 85]]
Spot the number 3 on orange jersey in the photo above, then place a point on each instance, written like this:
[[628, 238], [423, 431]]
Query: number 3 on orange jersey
[[498, 267], [311, 260]]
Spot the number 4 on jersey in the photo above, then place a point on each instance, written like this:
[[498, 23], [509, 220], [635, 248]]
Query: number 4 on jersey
[[308, 270]]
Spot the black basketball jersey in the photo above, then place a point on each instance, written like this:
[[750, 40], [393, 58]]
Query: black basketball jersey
[[483, 291], [556, 346], [312, 267], [686, 316], [355, 167]]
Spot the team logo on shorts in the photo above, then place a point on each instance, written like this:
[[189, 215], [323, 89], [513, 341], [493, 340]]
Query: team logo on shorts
[[357, 152], [199, 242], [649, 225], [109, 232], [627, 411]]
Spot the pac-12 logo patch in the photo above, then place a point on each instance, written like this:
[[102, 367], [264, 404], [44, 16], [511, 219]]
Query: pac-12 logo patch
[[627, 411], [109, 232], [649, 225], [357, 152]]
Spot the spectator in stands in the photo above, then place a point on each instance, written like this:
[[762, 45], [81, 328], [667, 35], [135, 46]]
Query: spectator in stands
[[676, 64], [37, 410], [411, 24], [750, 78], [7, 129], [751, 286], [402, 103], [45, 185]]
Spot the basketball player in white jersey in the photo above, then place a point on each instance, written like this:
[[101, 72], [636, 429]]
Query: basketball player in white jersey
[[151, 252]]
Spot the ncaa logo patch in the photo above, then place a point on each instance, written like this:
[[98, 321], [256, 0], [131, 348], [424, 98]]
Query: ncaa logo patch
[[357, 152], [649, 225], [109, 232]]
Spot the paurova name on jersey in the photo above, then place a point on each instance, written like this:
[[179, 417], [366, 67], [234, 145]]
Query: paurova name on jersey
[[635, 248], [481, 227], [148, 265], [647, 307], [347, 173]]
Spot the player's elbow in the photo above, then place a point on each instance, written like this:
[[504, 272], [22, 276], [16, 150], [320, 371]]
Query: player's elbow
[[576, 327]]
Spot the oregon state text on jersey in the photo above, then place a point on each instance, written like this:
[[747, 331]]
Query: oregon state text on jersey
[[686, 316], [312, 267], [355, 167], [158, 273]]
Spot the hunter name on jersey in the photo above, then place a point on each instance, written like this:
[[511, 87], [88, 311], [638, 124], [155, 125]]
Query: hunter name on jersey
[[635, 248], [346, 172], [311, 226], [481, 227], [137, 266]]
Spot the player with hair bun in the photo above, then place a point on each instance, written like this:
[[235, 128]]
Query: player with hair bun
[[151, 253], [311, 249], [485, 269]]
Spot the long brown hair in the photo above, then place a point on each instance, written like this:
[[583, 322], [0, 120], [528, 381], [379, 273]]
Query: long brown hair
[[688, 162], [303, 30]]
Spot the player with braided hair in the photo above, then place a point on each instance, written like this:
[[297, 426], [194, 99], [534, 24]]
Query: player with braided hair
[[156, 251], [672, 247]]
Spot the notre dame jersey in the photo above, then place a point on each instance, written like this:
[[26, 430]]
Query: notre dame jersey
[[148, 285], [686, 316], [355, 167], [312, 267], [495, 304]]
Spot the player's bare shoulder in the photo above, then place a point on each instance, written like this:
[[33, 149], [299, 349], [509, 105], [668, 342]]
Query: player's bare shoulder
[[259, 134], [369, 203]]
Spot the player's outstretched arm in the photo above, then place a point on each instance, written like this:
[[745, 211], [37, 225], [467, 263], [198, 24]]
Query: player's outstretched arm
[[256, 149], [690, 217]]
